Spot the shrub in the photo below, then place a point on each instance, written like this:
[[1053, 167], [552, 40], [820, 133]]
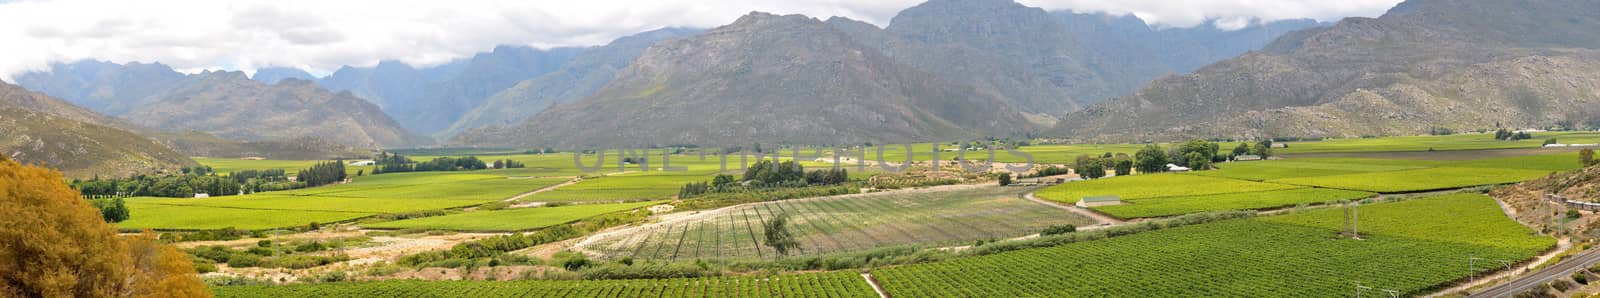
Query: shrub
[[242, 260], [1561, 285], [1580, 277], [1060, 229]]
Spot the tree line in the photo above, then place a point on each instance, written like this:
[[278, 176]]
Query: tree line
[[323, 173], [396, 163], [767, 174]]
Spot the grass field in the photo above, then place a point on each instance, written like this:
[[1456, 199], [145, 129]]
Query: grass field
[[833, 225], [387, 193], [830, 284], [520, 219], [1153, 186], [1413, 247], [1418, 180], [1168, 206]]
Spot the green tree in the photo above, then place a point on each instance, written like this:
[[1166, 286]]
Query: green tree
[[778, 236], [1124, 167], [1586, 157], [1151, 159], [1005, 179], [1243, 149], [1199, 162]]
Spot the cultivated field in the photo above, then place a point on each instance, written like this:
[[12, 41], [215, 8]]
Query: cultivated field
[[1179, 205], [368, 195], [1409, 247], [842, 224], [832, 284], [1469, 141], [1154, 186], [519, 219], [1418, 180]]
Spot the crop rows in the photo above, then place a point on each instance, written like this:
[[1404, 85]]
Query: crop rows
[[1168, 206], [1284, 256], [833, 284], [842, 224], [1418, 180]]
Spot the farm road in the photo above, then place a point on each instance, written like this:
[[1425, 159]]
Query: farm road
[[1100, 219]]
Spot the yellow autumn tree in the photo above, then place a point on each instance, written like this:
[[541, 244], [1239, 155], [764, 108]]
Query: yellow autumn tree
[[55, 244]]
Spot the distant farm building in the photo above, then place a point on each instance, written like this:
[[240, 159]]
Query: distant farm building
[[1176, 168], [1097, 201], [201, 195], [1247, 158], [362, 163]]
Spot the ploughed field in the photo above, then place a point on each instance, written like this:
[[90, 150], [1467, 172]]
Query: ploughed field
[[840, 224]]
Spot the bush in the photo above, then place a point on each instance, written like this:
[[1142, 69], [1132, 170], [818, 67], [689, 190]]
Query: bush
[[1005, 179], [1580, 277], [1061, 229], [1561, 285], [242, 260], [1574, 214]]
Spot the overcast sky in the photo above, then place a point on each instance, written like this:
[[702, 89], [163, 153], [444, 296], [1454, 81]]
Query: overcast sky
[[322, 35]]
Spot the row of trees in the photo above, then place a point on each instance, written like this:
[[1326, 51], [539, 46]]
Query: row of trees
[[1197, 155], [508, 164], [396, 163], [1094, 167], [767, 174], [175, 186], [1506, 135], [323, 173]]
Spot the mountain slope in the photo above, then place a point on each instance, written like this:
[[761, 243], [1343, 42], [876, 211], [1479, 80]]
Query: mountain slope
[[580, 77], [103, 87], [271, 75], [764, 78], [430, 99], [1463, 65], [31, 131], [229, 105]]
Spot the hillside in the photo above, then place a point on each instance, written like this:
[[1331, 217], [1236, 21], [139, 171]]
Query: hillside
[[38, 129], [1462, 65], [229, 105], [764, 78], [580, 77], [301, 148]]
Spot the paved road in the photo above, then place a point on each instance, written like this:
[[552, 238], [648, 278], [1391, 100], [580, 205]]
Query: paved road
[[1530, 280]]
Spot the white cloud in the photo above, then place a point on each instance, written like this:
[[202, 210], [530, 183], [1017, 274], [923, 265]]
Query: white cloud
[[194, 35]]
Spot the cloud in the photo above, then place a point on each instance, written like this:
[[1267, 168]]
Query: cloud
[[195, 35]]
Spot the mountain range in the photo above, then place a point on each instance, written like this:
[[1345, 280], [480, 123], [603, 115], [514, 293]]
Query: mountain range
[[1459, 65], [1002, 69]]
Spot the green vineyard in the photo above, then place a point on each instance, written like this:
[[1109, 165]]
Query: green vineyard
[[1414, 247], [835, 284]]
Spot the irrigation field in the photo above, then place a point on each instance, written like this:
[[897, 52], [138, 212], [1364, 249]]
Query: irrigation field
[[519, 219], [368, 195], [1410, 247], [841, 224], [832, 284]]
